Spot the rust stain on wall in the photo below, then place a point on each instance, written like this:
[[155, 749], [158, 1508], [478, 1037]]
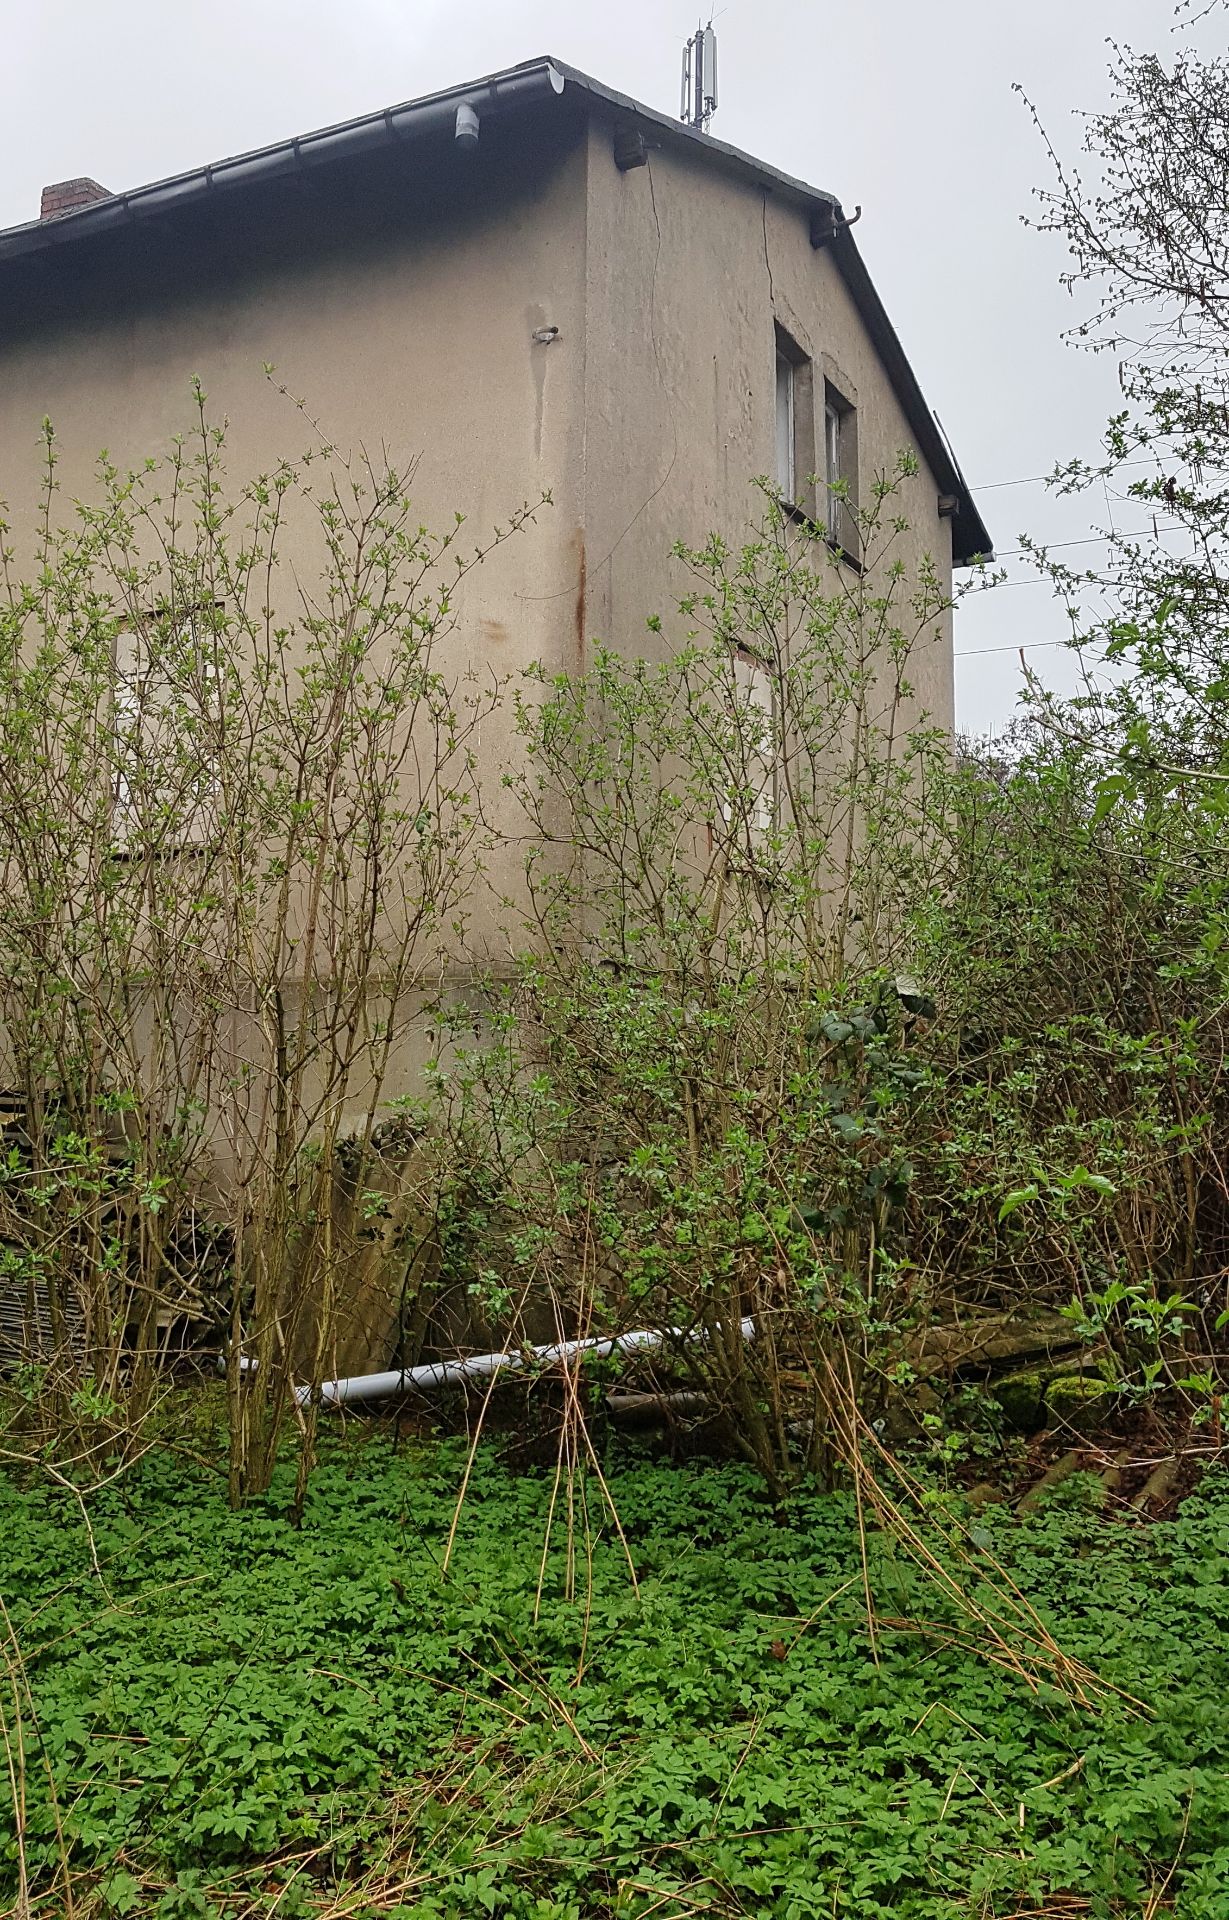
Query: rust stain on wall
[[581, 586]]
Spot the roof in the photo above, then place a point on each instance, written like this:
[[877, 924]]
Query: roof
[[532, 85]]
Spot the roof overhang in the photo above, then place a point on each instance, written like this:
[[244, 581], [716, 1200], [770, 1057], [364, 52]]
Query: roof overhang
[[525, 88]]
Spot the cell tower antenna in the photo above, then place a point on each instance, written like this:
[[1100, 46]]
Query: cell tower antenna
[[699, 101]]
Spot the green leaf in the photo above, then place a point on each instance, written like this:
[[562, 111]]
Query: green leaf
[[1118, 786], [1081, 1177], [121, 1893]]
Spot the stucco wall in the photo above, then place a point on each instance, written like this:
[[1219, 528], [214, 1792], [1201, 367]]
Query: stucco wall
[[399, 299], [399, 302], [688, 267]]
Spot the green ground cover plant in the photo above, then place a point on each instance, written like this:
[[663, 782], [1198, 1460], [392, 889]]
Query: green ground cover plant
[[209, 1712]]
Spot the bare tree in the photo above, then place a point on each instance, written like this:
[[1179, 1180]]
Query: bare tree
[[1146, 219]]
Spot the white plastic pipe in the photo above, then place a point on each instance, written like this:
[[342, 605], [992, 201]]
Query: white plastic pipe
[[440, 1373]]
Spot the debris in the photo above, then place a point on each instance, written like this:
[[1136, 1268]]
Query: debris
[[1158, 1486], [1061, 1470]]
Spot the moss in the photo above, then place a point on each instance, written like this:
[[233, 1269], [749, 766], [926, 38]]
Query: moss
[[1020, 1398], [1082, 1402]]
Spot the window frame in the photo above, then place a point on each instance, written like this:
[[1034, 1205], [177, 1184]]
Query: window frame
[[136, 715], [753, 686], [793, 371], [839, 521], [784, 449]]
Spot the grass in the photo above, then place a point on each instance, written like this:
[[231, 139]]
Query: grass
[[215, 1714]]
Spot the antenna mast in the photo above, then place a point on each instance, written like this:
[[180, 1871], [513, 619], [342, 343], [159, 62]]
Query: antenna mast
[[699, 102]]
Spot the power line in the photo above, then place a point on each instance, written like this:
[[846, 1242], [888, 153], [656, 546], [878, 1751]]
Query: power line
[[1035, 580], [1026, 646], [1039, 479], [1093, 540]]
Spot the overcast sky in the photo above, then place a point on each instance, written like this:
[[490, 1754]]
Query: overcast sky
[[902, 107]]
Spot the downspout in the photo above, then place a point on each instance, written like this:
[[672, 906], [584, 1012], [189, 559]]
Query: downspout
[[441, 1373]]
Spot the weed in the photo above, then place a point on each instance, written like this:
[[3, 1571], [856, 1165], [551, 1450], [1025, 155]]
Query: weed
[[234, 1716]]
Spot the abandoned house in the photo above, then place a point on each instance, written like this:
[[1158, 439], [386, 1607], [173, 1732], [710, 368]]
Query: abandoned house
[[530, 282], [529, 285]]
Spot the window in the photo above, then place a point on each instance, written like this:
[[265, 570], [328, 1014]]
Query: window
[[168, 708], [815, 448], [832, 468], [794, 461], [750, 804], [785, 477], [841, 471]]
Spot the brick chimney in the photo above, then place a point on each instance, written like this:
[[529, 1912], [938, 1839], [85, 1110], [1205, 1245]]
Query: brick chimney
[[67, 195]]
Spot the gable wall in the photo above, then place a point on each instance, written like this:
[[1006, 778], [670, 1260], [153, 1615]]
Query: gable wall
[[687, 269], [397, 300]]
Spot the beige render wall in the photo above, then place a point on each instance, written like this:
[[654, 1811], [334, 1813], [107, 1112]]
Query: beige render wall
[[687, 269], [404, 317], [403, 328], [646, 417], [404, 320]]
